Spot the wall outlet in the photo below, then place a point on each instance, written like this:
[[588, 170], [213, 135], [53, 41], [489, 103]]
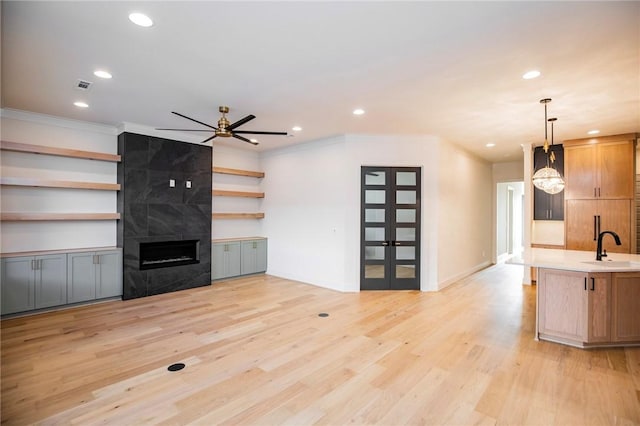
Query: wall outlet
[[172, 183], [188, 183]]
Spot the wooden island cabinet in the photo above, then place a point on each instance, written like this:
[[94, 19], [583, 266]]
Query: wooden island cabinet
[[587, 309]]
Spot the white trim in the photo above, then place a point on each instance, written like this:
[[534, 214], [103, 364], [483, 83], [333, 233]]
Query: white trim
[[51, 120], [461, 275]]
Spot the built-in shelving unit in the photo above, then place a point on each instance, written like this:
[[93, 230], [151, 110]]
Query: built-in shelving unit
[[32, 217], [237, 215], [60, 152], [238, 172], [49, 183], [232, 193], [46, 183], [225, 193]]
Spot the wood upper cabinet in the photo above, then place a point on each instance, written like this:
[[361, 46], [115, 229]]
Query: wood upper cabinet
[[600, 170], [625, 302], [585, 219]]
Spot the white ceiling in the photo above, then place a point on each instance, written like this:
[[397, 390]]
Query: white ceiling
[[449, 69]]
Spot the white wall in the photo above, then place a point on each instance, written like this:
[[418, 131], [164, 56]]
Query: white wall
[[465, 212], [305, 205], [312, 208], [21, 127]]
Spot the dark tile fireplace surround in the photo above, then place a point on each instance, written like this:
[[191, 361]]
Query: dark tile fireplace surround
[[165, 206]]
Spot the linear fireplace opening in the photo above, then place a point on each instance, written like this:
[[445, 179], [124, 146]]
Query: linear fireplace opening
[[164, 254]]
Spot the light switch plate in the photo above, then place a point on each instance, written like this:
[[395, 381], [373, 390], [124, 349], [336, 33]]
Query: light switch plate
[[172, 183], [188, 184]]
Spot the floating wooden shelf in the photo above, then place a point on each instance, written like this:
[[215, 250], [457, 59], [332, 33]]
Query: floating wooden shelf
[[60, 152], [22, 217], [45, 183], [238, 215], [225, 193], [238, 172]]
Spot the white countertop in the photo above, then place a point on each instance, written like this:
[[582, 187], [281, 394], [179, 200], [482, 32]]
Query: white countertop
[[574, 260]]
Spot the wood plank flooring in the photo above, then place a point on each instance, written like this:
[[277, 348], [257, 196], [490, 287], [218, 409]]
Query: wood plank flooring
[[257, 353]]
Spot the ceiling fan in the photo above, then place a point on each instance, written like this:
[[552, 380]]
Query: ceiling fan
[[226, 129]]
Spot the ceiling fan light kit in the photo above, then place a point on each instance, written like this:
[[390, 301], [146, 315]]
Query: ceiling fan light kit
[[548, 178], [226, 129]]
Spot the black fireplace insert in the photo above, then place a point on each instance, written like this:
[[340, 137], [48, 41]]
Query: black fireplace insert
[[164, 254]]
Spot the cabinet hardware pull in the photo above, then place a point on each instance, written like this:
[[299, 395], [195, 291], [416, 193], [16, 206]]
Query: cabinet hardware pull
[[585, 283], [598, 224], [593, 284], [599, 194], [39, 264], [33, 265], [595, 226]]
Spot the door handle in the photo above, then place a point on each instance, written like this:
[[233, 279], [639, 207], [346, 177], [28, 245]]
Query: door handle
[[395, 243], [385, 243]]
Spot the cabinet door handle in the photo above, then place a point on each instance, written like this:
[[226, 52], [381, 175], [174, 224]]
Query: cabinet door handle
[[39, 263], [599, 194], [595, 193], [598, 224], [585, 283], [593, 284], [33, 264], [595, 228]]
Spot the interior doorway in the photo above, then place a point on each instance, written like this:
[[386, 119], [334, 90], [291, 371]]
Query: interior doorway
[[390, 228], [509, 220]]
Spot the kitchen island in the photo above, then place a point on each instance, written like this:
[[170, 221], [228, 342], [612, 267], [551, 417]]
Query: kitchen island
[[583, 302]]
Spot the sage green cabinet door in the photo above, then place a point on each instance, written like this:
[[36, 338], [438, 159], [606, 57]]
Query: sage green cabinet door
[[225, 260], [81, 277], [18, 284], [109, 274], [254, 256], [50, 280]]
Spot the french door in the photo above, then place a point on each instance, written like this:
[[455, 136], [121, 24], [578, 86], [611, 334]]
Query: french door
[[390, 228]]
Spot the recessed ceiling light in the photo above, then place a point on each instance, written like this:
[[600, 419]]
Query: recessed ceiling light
[[102, 74], [296, 128], [81, 104], [358, 111], [593, 132], [490, 145], [531, 74], [140, 19]]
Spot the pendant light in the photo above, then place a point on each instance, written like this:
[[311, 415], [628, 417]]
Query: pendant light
[[547, 178]]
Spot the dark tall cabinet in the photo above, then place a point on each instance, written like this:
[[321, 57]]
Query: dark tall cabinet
[[548, 206]]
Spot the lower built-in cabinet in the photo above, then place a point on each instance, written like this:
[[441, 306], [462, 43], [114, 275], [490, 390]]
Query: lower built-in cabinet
[[33, 282], [234, 257], [94, 275], [588, 309], [44, 281]]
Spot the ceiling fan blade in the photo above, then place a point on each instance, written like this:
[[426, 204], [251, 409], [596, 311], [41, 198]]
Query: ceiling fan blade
[[241, 122], [208, 139], [187, 130], [256, 132], [193, 119], [243, 139]]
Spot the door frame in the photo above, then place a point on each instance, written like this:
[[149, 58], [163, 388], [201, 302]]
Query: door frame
[[390, 263]]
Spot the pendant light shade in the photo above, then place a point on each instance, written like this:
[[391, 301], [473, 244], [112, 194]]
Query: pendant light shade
[[548, 178]]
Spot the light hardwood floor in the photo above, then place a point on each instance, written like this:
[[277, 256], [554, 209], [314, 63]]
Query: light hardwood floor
[[256, 352]]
